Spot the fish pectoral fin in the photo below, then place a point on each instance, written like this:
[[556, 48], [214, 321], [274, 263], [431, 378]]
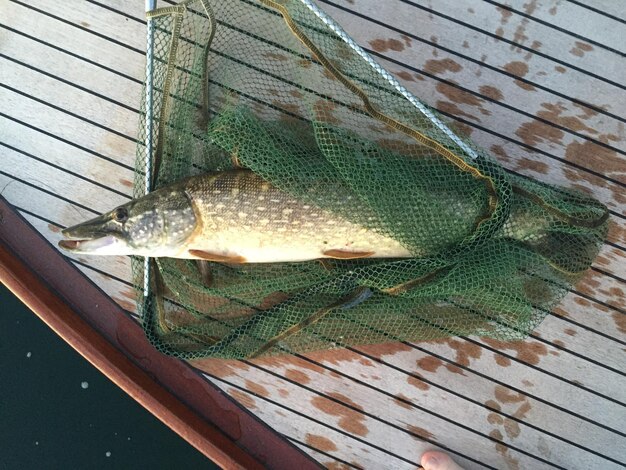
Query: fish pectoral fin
[[342, 254], [207, 255]]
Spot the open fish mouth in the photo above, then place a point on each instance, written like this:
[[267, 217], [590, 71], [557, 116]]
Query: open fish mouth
[[93, 246]]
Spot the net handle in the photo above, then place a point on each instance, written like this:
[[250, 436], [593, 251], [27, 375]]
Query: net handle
[[150, 6]]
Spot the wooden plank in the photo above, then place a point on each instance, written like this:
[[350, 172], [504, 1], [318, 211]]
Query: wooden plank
[[402, 413], [603, 288], [374, 386], [508, 363], [67, 127], [362, 455], [606, 7], [62, 154], [66, 67], [45, 93], [466, 46], [62, 183], [260, 401], [75, 39], [586, 344], [612, 260], [553, 42], [593, 315], [565, 15]]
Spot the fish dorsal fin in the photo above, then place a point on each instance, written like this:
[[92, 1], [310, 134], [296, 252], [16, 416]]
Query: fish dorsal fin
[[207, 255], [342, 254]]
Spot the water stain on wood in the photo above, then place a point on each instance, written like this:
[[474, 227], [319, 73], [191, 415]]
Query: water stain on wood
[[580, 48], [459, 96], [465, 351], [495, 419], [384, 45], [493, 405], [438, 66], [620, 321], [519, 36], [257, 389], [532, 165], [503, 450], [403, 401], [220, 368], [530, 7], [404, 75], [519, 69], [421, 432], [289, 362], [505, 395], [501, 360], [529, 352], [340, 465], [461, 129], [505, 15], [297, 376], [560, 69], [491, 92], [523, 410], [453, 109], [511, 428], [601, 159], [500, 152], [417, 383], [553, 112], [569, 331], [344, 399], [534, 132], [349, 420], [429, 363], [385, 349], [243, 398], [320, 442], [535, 46]]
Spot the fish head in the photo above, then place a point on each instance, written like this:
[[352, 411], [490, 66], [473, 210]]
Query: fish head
[[155, 225]]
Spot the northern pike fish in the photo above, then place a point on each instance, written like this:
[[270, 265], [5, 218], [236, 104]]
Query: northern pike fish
[[232, 217]]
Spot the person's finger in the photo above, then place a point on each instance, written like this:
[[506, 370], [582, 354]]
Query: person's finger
[[433, 460]]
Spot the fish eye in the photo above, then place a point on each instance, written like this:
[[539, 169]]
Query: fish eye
[[121, 215]]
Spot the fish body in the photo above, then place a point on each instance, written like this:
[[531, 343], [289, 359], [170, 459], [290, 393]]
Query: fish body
[[230, 216]]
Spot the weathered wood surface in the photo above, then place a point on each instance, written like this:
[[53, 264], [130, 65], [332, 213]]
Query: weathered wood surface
[[530, 81]]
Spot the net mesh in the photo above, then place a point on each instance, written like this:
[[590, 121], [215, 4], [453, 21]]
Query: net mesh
[[273, 87]]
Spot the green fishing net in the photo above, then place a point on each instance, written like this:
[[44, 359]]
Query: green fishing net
[[275, 87]]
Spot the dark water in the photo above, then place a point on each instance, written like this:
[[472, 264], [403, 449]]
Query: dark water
[[58, 411]]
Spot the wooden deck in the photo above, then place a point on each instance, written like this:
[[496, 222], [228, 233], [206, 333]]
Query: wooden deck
[[538, 83]]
